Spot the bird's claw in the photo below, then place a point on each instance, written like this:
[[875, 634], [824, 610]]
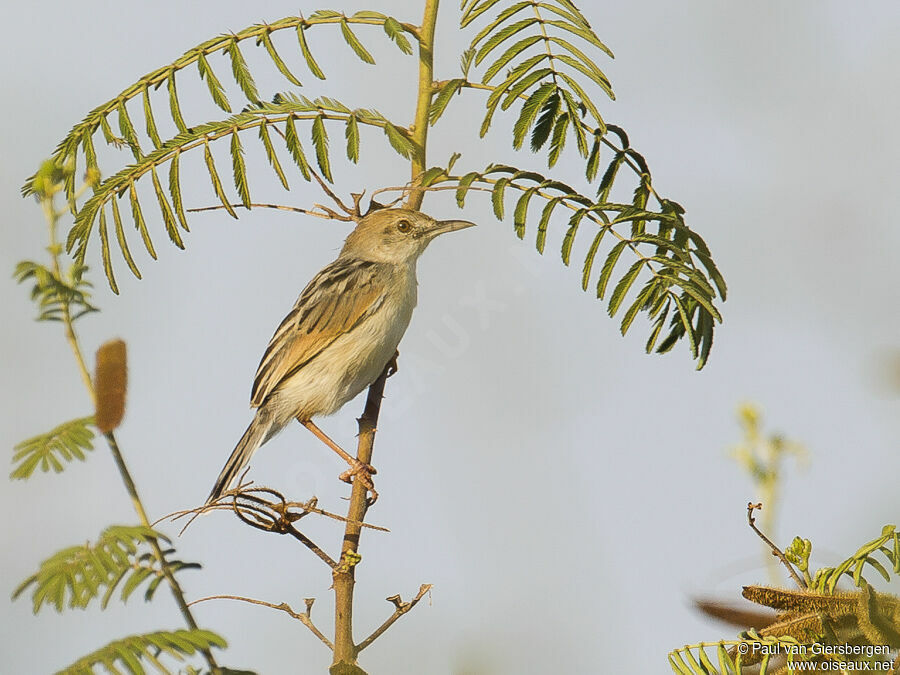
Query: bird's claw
[[362, 472], [392, 364]]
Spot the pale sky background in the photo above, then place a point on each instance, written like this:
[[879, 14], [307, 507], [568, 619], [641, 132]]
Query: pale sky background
[[565, 493]]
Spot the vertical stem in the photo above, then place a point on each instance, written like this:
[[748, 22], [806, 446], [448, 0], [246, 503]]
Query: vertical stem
[[345, 650], [55, 251], [423, 101]]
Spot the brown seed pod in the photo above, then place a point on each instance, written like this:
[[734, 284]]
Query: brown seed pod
[[110, 382]]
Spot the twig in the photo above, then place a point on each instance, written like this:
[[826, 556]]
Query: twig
[[751, 507], [401, 609], [305, 618], [328, 214], [344, 575], [328, 191], [308, 506]]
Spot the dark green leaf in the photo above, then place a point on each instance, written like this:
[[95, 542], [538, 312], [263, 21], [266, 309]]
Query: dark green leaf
[[544, 222], [624, 285], [521, 212], [589, 258], [463, 188], [500, 36], [608, 265], [497, 197], [530, 108], [544, 125], [442, 99]]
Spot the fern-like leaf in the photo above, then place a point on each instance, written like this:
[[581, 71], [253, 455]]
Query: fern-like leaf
[[888, 545], [544, 69], [80, 139], [675, 274], [131, 653], [54, 294], [65, 443], [286, 111], [121, 558]]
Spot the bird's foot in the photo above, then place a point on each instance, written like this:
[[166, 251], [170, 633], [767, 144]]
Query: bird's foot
[[362, 472], [392, 364]]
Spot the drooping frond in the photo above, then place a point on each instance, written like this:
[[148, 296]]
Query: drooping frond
[[66, 443], [79, 144], [133, 653], [280, 117], [671, 275], [536, 53], [121, 558]]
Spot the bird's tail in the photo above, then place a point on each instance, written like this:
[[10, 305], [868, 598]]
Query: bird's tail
[[260, 430]]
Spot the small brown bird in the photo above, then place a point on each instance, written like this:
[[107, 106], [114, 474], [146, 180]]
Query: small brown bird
[[340, 335]]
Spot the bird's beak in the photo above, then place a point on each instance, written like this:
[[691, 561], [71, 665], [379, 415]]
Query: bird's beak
[[443, 226]]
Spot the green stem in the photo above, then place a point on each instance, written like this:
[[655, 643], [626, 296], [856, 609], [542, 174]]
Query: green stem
[[423, 100], [71, 337]]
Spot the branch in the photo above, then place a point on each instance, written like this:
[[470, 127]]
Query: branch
[[751, 507], [401, 609], [344, 575], [304, 618], [328, 215]]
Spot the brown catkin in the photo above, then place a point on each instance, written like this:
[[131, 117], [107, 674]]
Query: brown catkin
[[110, 382]]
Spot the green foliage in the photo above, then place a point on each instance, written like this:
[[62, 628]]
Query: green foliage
[[76, 575], [888, 544], [65, 443], [133, 653], [80, 142], [538, 56], [681, 282], [531, 43], [728, 655], [285, 110], [56, 294], [819, 613]]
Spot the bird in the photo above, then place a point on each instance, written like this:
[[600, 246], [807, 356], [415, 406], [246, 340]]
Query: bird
[[340, 334]]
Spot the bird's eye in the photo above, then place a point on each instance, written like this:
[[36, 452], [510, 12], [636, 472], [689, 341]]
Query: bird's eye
[[404, 226]]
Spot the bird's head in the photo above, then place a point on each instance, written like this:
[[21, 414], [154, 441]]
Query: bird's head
[[396, 235]]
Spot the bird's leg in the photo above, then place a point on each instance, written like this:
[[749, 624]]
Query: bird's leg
[[357, 468]]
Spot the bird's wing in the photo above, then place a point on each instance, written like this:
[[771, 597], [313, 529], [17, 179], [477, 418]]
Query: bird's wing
[[337, 299]]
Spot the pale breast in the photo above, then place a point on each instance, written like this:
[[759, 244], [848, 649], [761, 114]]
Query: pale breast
[[353, 361]]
